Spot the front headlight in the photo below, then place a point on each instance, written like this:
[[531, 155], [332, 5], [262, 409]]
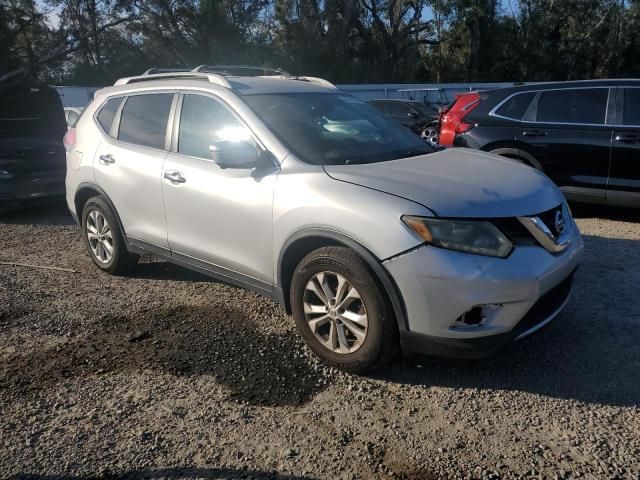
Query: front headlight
[[470, 236]]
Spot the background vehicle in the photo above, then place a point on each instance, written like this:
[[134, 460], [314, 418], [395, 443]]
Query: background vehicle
[[32, 156], [584, 135], [419, 117], [72, 114], [313, 198]]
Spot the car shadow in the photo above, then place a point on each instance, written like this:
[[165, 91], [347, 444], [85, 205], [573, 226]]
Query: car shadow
[[589, 353], [254, 365], [169, 474], [43, 212]]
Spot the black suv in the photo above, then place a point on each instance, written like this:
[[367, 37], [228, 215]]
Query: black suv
[[420, 117], [32, 155], [584, 135]]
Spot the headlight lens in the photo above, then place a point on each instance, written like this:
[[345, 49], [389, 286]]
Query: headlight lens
[[470, 236]]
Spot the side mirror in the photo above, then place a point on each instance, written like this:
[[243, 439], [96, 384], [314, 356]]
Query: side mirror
[[241, 154]]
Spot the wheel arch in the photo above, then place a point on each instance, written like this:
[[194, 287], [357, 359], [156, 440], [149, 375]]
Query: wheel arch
[[510, 150], [87, 190], [304, 242]]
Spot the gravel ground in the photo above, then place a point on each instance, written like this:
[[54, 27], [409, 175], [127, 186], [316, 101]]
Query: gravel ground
[[167, 374]]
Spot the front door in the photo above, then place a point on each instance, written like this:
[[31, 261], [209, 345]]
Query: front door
[[218, 218], [566, 132], [624, 181]]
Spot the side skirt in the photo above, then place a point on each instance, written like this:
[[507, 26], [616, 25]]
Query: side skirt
[[219, 273]]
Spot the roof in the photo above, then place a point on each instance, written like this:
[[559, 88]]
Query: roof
[[617, 82]]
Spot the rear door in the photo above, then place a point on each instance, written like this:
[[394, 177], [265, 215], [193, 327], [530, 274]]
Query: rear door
[[624, 180], [128, 162], [568, 132]]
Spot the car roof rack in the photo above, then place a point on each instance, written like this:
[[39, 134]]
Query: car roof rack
[[211, 77], [241, 70], [217, 73]]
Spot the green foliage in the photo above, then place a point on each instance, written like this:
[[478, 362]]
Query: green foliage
[[93, 42]]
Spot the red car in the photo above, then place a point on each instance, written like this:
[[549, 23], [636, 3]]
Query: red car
[[452, 120]]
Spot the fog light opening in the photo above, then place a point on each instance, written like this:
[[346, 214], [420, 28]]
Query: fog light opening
[[478, 316]]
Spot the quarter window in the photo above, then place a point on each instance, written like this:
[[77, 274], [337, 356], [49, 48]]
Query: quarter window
[[107, 113], [631, 110], [204, 122], [516, 106], [581, 106], [144, 119]]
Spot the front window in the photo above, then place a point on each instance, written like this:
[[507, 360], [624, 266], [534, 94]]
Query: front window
[[334, 129]]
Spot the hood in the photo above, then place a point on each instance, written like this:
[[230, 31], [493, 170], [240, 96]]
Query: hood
[[458, 182]]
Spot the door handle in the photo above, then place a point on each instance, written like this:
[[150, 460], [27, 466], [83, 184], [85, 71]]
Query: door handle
[[627, 138], [174, 176], [534, 133], [107, 159]]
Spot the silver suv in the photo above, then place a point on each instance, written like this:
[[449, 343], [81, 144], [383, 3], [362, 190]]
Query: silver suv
[[289, 187]]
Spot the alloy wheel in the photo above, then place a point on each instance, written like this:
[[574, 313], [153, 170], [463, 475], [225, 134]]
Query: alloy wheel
[[430, 135], [335, 312], [99, 236]]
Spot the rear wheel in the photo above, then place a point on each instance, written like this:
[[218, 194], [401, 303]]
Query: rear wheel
[[104, 239], [341, 312]]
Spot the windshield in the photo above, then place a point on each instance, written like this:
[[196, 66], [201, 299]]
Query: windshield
[[334, 129]]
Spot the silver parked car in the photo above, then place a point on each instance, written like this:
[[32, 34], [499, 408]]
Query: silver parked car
[[285, 185]]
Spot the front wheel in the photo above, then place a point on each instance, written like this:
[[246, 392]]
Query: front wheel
[[341, 312]]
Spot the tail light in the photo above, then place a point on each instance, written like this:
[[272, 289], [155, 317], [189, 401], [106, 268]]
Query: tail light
[[69, 139], [452, 120]]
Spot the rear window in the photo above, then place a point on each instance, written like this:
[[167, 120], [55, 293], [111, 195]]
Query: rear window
[[144, 119], [631, 110], [108, 112], [516, 106], [581, 106], [31, 108]]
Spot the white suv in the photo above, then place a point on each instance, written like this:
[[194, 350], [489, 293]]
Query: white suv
[[289, 187]]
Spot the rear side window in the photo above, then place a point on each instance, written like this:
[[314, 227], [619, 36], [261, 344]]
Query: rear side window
[[144, 119], [107, 113], [631, 109], [582, 106], [397, 109], [203, 122], [516, 106]]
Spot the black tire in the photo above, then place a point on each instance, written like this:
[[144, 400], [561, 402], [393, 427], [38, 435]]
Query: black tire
[[121, 261], [381, 340]]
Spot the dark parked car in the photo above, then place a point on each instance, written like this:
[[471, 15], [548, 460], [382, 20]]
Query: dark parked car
[[420, 117], [32, 155], [584, 135]]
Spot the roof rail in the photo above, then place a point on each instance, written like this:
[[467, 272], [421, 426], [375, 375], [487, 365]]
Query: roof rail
[[211, 77], [232, 70], [217, 73], [316, 81]]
